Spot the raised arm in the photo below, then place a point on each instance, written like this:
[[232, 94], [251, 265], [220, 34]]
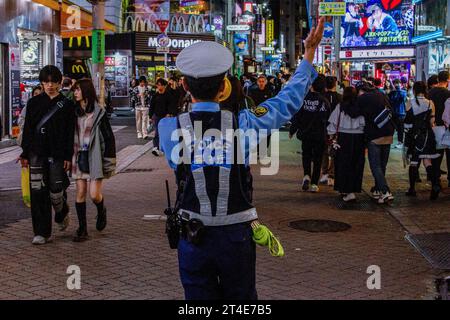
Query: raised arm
[[275, 112]]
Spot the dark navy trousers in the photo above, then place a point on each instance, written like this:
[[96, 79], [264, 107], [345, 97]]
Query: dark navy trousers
[[222, 267]]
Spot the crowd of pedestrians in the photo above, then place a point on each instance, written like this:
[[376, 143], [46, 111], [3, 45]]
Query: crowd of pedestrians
[[339, 130]]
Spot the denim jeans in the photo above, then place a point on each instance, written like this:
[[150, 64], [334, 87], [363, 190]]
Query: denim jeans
[[378, 159]]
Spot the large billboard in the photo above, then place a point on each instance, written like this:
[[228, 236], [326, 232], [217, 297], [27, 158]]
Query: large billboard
[[377, 23]]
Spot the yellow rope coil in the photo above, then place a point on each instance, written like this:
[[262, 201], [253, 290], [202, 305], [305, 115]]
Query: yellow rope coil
[[264, 237]]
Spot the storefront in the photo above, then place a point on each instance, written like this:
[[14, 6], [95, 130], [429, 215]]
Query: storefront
[[118, 62], [391, 64], [148, 62], [29, 39]]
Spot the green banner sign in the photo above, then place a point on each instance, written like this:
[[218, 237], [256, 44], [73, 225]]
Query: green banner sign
[[98, 46]]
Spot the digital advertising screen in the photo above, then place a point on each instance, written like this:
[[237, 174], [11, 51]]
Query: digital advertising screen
[[376, 23]]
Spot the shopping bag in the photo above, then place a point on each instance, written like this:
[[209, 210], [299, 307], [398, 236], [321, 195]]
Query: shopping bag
[[446, 139], [25, 177], [439, 132]]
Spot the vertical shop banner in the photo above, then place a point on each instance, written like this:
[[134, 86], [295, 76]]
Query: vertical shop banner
[[241, 44], [258, 23], [377, 23], [98, 46], [269, 32], [155, 12], [14, 87], [59, 54]]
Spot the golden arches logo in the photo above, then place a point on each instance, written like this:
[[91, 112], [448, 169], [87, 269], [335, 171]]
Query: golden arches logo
[[79, 41], [76, 68]]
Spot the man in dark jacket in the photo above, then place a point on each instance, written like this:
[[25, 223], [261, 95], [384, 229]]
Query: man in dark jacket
[[48, 148], [310, 124], [261, 92], [162, 105], [440, 95], [379, 129]]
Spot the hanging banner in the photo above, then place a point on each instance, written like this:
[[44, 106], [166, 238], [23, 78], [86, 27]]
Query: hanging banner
[[98, 46], [241, 44], [14, 87], [269, 32]]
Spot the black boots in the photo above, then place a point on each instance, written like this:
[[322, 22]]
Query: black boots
[[101, 216], [435, 182], [81, 234], [413, 174]]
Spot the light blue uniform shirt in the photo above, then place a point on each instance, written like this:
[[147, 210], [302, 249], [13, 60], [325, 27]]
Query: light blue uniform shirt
[[271, 114]]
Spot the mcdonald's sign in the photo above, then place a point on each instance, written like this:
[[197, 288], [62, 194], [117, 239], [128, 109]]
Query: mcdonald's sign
[[77, 69], [79, 42]]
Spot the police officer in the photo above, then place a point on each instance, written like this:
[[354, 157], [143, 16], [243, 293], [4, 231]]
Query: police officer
[[216, 253]]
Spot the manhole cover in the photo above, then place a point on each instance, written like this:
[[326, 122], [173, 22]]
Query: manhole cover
[[319, 225], [358, 205], [137, 170], [434, 247]]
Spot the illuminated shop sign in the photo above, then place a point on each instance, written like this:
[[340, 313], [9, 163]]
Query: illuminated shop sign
[[377, 53]]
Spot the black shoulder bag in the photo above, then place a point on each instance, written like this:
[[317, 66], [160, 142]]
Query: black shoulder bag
[[49, 115]]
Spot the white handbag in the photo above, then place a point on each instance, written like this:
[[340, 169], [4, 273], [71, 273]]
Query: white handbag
[[446, 139], [439, 132]]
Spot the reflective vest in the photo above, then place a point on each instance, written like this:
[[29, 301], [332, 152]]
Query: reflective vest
[[217, 193]]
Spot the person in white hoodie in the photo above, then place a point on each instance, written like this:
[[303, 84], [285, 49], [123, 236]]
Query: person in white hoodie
[[348, 147]]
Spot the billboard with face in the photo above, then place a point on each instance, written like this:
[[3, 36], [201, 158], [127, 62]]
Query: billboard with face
[[377, 23]]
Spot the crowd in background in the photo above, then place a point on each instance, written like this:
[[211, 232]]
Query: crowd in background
[[337, 125]]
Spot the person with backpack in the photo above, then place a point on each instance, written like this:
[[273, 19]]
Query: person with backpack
[[47, 145], [397, 99], [309, 124], [379, 130]]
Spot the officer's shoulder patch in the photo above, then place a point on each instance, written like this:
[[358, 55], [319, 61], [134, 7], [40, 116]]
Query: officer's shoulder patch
[[259, 111]]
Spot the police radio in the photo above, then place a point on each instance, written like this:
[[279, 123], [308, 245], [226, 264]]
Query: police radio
[[173, 223]]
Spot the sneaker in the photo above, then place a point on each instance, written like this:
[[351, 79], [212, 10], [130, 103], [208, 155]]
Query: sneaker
[[139, 136], [385, 197], [306, 182], [63, 225], [38, 240], [155, 151], [330, 182], [399, 145], [324, 179], [314, 188], [349, 197], [376, 194], [146, 138]]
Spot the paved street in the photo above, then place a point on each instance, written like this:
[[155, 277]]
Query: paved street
[[131, 258]]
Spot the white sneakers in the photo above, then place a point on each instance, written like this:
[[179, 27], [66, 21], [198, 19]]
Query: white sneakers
[[314, 188], [156, 152], [324, 179], [385, 197], [139, 136], [39, 240], [349, 197], [399, 145]]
